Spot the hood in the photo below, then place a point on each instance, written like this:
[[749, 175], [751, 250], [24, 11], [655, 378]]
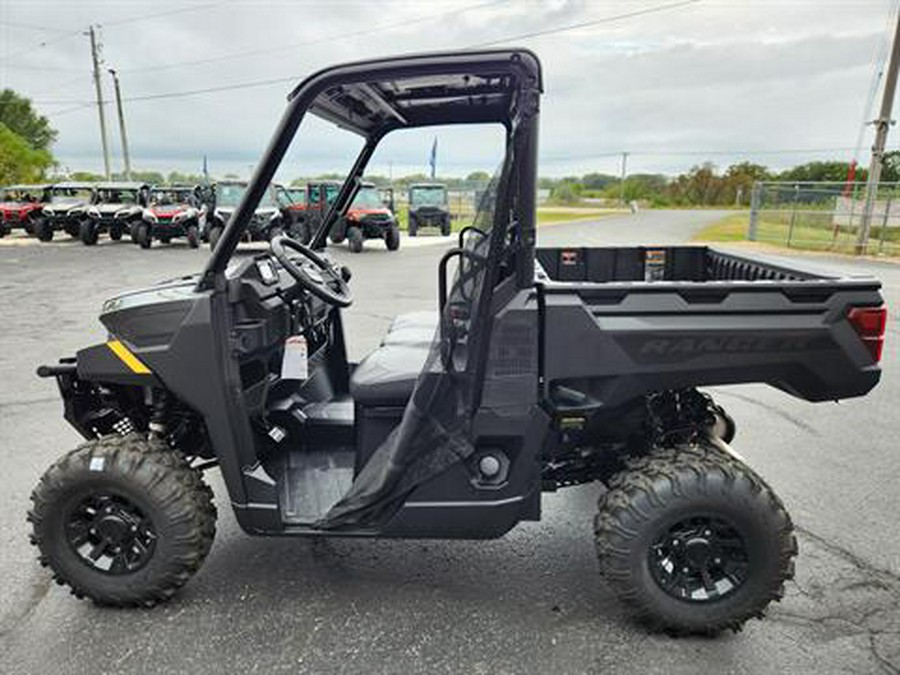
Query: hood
[[358, 213], [168, 210], [19, 206], [111, 209], [63, 207]]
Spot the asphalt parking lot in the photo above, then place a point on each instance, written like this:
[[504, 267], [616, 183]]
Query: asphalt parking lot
[[529, 602]]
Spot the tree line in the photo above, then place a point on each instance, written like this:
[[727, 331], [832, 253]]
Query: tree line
[[26, 138], [704, 184]]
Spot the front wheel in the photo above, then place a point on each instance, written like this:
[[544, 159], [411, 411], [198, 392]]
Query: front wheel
[[87, 233], [193, 236], [122, 520], [354, 239], [445, 226], [143, 236], [694, 541], [43, 230], [392, 238]]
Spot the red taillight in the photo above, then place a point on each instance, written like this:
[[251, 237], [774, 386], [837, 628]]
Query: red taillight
[[870, 323]]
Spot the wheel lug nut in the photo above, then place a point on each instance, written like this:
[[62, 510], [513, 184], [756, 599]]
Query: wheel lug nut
[[707, 533]]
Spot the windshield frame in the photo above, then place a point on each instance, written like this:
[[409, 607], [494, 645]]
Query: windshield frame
[[521, 68]]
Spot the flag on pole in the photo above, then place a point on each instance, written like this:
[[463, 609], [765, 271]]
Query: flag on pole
[[433, 160]]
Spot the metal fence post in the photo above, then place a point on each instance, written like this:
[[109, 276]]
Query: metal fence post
[[755, 199], [790, 234], [884, 223]]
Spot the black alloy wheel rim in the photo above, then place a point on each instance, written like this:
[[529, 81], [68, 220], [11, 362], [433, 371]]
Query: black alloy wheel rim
[[110, 534], [699, 559]]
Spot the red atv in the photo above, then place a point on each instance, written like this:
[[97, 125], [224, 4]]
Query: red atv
[[293, 203], [21, 206], [367, 218], [171, 212]]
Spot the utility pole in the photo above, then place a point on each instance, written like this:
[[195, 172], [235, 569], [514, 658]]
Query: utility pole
[[622, 180], [125, 154], [99, 92], [882, 124]]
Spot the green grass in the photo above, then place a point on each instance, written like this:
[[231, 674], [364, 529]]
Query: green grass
[[550, 215], [544, 216], [810, 232]]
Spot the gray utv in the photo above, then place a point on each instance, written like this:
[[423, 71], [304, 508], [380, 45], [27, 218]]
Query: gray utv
[[540, 369], [428, 207]]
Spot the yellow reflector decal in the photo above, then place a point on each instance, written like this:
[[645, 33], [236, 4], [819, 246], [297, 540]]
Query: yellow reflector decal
[[129, 359]]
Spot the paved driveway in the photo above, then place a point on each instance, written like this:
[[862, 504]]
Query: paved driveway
[[529, 602]]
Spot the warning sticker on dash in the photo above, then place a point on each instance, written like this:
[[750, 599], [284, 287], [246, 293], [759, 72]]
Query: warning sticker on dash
[[294, 365]]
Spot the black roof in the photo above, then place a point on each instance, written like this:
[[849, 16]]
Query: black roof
[[374, 97]]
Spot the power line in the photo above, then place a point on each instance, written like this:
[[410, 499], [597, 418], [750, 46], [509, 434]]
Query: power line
[[157, 15], [586, 24], [30, 26], [328, 38]]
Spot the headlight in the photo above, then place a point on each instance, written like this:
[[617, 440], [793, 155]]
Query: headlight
[[47, 211], [95, 212], [150, 217]]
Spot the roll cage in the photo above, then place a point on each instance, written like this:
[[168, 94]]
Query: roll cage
[[374, 98]]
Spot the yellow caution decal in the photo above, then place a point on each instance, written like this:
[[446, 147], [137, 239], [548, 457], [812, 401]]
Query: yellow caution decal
[[129, 359]]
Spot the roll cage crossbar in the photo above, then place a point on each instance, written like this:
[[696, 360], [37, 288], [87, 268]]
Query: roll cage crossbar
[[375, 98]]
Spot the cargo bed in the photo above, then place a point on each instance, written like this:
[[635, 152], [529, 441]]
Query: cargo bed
[[646, 319]]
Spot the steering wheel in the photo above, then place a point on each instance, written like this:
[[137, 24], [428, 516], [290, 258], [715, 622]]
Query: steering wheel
[[321, 280]]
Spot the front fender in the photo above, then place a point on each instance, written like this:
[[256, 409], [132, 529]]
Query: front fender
[[113, 362]]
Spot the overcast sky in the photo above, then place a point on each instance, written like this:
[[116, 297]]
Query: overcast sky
[[777, 81]]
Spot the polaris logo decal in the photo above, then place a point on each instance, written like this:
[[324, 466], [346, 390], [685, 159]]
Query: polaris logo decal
[[707, 345], [672, 349]]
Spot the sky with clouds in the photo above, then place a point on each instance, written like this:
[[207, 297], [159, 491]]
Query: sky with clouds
[[672, 83]]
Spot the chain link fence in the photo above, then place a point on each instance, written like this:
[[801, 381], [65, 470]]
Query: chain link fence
[[825, 216]]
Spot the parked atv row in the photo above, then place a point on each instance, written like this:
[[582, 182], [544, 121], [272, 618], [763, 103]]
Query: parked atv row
[[86, 211]]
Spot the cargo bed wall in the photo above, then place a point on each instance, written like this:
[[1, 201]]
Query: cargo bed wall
[[605, 342], [659, 263]]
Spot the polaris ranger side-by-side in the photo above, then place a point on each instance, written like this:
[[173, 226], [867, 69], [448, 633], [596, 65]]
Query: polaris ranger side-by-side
[[428, 207], [367, 217], [540, 369], [267, 221]]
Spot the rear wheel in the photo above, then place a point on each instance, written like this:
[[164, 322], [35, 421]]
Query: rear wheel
[[28, 226], [445, 226], [116, 232], [392, 238], [122, 520], [43, 230], [354, 239], [214, 234], [193, 236], [87, 233], [413, 226], [694, 541], [143, 236], [72, 229]]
